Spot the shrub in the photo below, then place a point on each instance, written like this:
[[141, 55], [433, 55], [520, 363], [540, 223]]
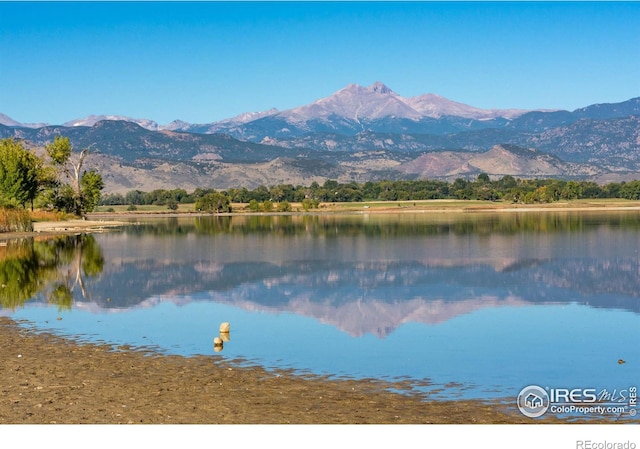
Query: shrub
[[267, 206], [254, 206], [284, 206]]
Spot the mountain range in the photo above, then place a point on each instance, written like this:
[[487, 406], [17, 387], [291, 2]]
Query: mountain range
[[356, 134]]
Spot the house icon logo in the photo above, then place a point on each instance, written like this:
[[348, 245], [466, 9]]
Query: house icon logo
[[533, 401]]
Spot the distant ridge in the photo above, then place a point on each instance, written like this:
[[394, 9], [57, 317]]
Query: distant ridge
[[353, 102], [375, 108], [357, 134]]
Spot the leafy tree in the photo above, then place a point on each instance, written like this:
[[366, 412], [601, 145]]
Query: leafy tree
[[85, 193], [172, 204], [630, 190], [277, 193], [64, 199], [330, 184], [571, 191], [483, 178], [134, 197], [507, 182], [261, 194], [20, 174], [112, 199], [214, 202], [91, 186]]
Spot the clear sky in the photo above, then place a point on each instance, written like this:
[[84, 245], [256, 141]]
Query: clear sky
[[202, 62]]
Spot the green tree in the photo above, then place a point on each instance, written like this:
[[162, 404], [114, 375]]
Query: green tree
[[483, 178], [134, 197], [20, 174], [91, 186], [172, 204], [630, 190], [61, 153], [572, 190], [214, 202]]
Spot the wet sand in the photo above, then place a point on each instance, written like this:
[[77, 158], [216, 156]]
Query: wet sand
[[48, 379]]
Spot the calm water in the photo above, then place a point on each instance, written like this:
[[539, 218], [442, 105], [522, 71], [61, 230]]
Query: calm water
[[465, 305]]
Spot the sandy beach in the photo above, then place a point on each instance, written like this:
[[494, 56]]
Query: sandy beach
[[47, 379]]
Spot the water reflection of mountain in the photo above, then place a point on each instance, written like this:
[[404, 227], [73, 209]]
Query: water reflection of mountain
[[372, 297], [361, 274]]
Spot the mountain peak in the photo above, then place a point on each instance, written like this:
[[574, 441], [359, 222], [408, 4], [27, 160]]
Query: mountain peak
[[380, 88], [93, 119], [8, 121]]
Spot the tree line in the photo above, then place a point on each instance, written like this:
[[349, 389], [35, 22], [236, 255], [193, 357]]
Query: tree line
[[506, 188], [59, 181]]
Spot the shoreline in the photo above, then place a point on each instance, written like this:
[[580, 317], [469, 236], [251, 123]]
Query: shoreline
[[105, 221], [53, 380]]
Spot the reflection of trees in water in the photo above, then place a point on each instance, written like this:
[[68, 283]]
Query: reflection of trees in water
[[54, 267], [382, 225], [22, 273]]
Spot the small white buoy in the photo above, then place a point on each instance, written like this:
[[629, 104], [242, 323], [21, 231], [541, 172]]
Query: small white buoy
[[224, 327], [217, 344]]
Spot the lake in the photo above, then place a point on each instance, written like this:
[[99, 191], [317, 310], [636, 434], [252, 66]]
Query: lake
[[461, 305]]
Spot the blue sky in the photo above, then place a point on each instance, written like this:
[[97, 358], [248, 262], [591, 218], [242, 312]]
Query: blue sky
[[202, 62]]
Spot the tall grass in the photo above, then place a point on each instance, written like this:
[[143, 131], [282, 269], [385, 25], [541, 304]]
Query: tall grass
[[48, 215], [15, 220]]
